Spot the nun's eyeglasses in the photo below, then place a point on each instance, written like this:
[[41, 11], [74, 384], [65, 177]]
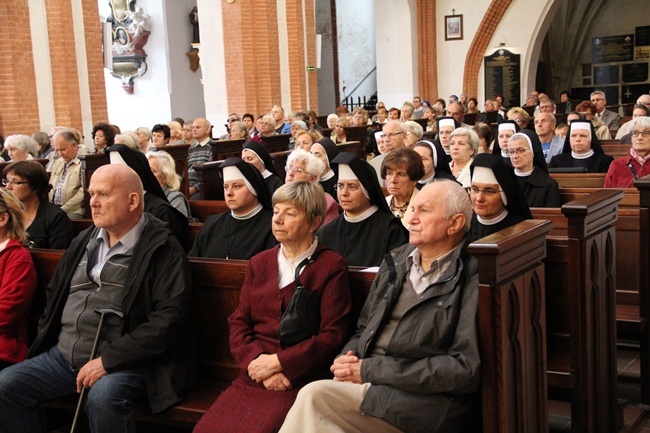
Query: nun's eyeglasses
[[517, 151], [488, 192], [352, 187]]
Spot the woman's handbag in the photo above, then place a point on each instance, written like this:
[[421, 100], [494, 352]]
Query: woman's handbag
[[301, 319]]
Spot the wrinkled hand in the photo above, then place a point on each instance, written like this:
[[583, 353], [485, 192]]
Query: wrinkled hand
[[90, 373], [347, 368], [263, 367], [278, 382]]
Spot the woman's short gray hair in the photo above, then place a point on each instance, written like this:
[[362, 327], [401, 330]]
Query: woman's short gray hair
[[307, 196], [167, 167], [239, 126], [313, 165], [22, 142], [642, 121], [472, 137], [414, 127], [457, 201]]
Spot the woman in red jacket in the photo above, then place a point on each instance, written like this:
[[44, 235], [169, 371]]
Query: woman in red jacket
[[17, 281]]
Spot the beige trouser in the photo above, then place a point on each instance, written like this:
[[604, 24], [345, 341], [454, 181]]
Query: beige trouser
[[329, 406]]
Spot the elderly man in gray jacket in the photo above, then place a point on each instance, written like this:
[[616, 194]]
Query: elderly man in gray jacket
[[413, 363]]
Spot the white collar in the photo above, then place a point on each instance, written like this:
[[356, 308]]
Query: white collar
[[364, 216], [327, 176], [427, 180], [524, 173], [248, 215], [493, 221], [266, 174], [582, 156]]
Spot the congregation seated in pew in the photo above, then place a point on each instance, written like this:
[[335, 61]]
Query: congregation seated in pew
[[387, 377], [302, 165], [498, 201], [245, 230], [277, 355], [528, 162], [582, 150], [164, 169], [257, 155], [625, 170], [47, 225], [366, 230], [155, 200]]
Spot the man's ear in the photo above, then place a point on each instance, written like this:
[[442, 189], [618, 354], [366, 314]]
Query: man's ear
[[134, 201], [457, 222]]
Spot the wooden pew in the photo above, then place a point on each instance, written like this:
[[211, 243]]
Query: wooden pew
[[210, 181], [360, 134], [580, 307], [216, 285], [222, 149], [276, 143], [512, 328], [202, 209], [578, 180]]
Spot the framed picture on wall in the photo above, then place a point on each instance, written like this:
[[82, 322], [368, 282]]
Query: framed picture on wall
[[453, 27]]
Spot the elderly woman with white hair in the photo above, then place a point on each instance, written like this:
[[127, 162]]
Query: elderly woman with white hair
[[331, 120], [302, 165], [164, 168], [21, 147], [412, 133], [463, 147], [296, 127]]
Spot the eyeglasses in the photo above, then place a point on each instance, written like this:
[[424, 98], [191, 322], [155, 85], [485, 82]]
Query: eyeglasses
[[489, 192], [390, 134], [6, 182], [517, 151], [231, 120], [290, 169], [645, 133], [350, 186]]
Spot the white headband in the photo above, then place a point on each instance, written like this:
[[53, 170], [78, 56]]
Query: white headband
[[233, 173], [447, 122], [486, 175], [520, 136], [510, 126], [585, 126], [346, 173]]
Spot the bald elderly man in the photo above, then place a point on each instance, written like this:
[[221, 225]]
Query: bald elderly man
[[128, 262]]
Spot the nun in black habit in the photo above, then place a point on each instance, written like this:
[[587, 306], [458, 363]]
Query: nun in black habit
[[326, 151], [366, 230], [497, 199], [155, 200], [528, 161], [434, 160], [446, 125], [582, 149], [505, 130], [245, 230], [257, 155]]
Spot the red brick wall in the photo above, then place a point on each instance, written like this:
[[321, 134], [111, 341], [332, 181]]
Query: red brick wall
[[65, 81], [482, 38], [427, 50], [296, 48], [95, 61], [19, 109], [251, 56]]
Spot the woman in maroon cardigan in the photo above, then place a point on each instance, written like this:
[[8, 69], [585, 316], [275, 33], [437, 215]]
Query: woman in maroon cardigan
[[272, 372], [17, 281]]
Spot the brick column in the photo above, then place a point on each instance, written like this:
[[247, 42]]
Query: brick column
[[65, 80], [481, 40], [427, 50], [95, 61], [18, 97]]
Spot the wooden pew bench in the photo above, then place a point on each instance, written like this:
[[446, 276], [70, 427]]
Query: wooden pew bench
[[580, 310], [216, 285], [579, 180]]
